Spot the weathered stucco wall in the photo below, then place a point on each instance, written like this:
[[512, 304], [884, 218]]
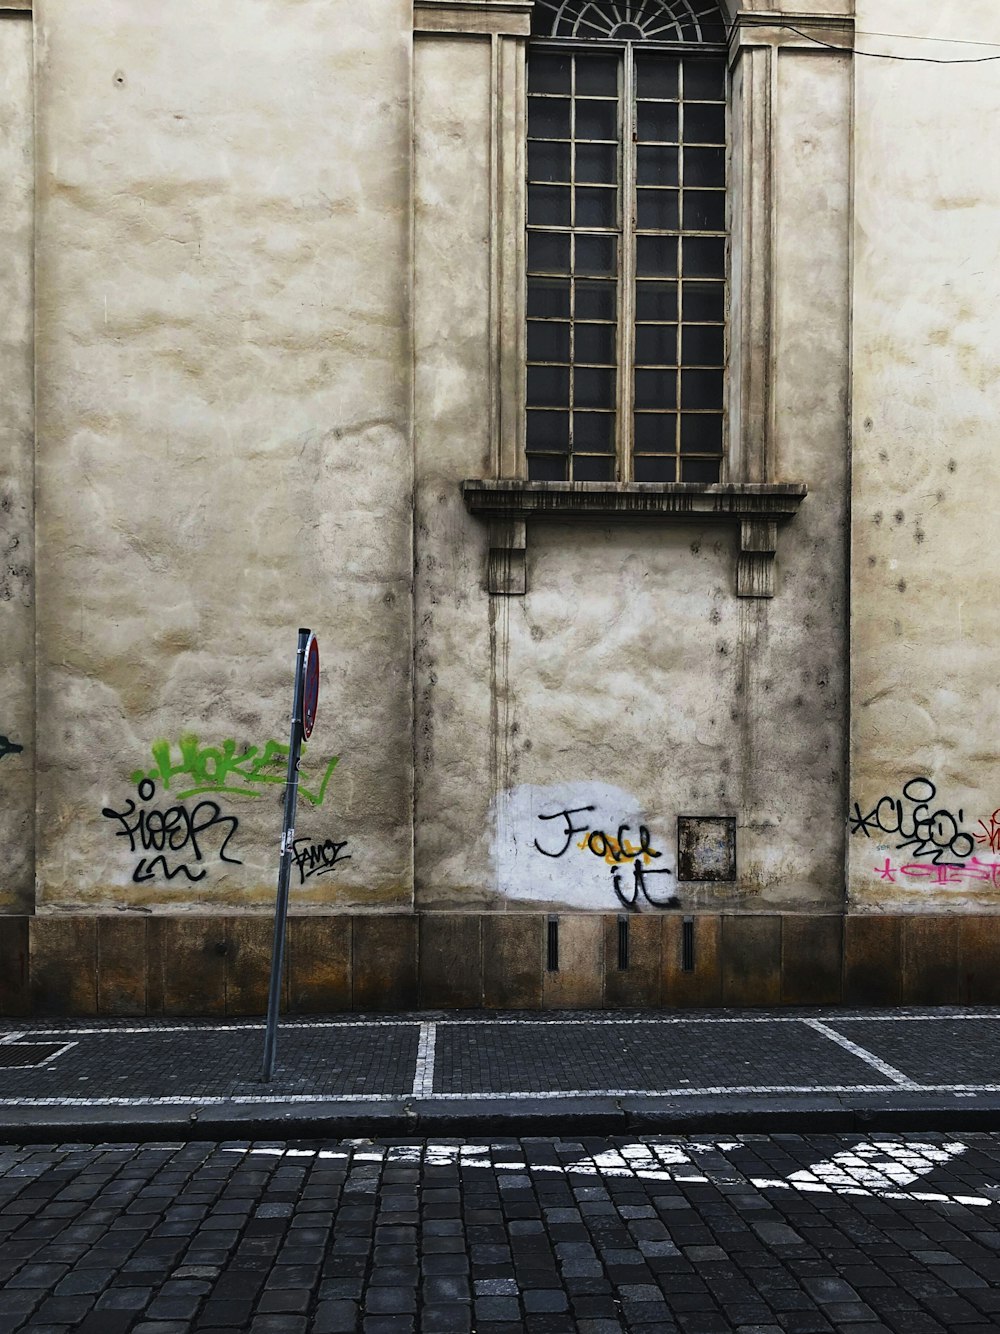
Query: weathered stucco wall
[[926, 621], [223, 446], [17, 625], [630, 686]]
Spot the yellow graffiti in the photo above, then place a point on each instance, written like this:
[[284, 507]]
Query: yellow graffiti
[[615, 850]]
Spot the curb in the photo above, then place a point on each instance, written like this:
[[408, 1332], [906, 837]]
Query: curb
[[496, 1119]]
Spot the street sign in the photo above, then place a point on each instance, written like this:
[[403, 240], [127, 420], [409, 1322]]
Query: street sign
[[307, 642], [310, 692]]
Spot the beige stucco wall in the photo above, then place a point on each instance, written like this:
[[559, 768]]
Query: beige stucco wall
[[926, 395], [270, 344], [223, 438], [17, 714], [630, 679]]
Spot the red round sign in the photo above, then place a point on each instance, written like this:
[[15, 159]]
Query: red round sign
[[310, 686]]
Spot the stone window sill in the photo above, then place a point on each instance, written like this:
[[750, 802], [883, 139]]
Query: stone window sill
[[756, 507]]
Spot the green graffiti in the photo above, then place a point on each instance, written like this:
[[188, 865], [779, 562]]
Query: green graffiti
[[227, 768]]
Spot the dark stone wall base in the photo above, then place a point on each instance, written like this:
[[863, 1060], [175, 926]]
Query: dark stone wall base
[[218, 965]]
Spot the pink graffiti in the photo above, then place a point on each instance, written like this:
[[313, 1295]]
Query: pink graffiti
[[972, 870]]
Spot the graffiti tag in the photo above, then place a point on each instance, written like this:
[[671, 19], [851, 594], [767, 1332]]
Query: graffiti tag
[[8, 747], [175, 830], [942, 874], [238, 771], [929, 833], [314, 858], [615, 849], [991, 832]]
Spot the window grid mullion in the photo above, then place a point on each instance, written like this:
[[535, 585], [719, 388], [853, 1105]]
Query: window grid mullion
[[626, 295]]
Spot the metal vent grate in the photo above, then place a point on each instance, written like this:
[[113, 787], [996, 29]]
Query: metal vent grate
[[14, 1054]]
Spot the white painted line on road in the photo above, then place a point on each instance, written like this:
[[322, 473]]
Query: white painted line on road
[[12, 1037], [862, 1053], [252, 1099], [590, 1021], [423, 1075], [652, 1162]]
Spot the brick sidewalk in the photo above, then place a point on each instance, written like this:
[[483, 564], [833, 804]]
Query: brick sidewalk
[[813, 1069]]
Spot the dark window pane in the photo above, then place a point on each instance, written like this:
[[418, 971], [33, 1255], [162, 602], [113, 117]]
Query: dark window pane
[[596, 120], [656, 255], [596, 254], [656, 345], [597, 77], [700, 470], [704, 166], [704, 256], [705, 79], [548, 431], [655, 432], [701, 433], [593, 388], [548, 205], [548, 252], [594, 431], [542, 469], [548, 117], [655, 77], [548, 298], [595, 301], [548, 386], [548, 73], [655, 389], [704, 210], [548, 341], [701, 389], [657, 165], [656, 301], [594, 343], [548, 161], [704, 124], [597, 162], [596, 207], [653, 469], [702, 345], [592, 469], [657, 120], [704, 301], [659, 209]]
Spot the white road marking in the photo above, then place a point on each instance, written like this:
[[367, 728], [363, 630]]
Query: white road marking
[[763, 1090], [423, 1075], [862, 1053], [878, 1159], [591, 1021]]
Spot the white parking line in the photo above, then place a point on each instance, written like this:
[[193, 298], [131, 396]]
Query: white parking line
[[423, 1075], [862, 1053]]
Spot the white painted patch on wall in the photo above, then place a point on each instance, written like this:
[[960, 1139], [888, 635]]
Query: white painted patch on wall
[[537, 853]]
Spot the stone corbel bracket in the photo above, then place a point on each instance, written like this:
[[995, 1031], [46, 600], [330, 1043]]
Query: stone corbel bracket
[[757, 509]]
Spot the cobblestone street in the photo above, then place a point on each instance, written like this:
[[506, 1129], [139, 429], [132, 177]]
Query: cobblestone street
[[760, 1234]]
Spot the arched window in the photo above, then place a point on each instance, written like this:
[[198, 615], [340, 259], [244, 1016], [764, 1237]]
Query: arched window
[[626, 240]]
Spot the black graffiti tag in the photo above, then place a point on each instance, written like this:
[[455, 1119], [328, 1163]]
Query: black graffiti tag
[[640, 873], [929, 833], [8, 747], [314, 858], [175, 830], [570, 830]]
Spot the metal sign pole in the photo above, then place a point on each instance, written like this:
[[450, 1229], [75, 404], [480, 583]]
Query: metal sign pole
[[285, 865]]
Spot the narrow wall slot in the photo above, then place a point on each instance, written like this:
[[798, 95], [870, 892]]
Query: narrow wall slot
[[622, 942], [687, 945], [552, 953]]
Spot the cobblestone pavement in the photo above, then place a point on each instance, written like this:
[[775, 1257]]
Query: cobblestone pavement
[[759, 1234]]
